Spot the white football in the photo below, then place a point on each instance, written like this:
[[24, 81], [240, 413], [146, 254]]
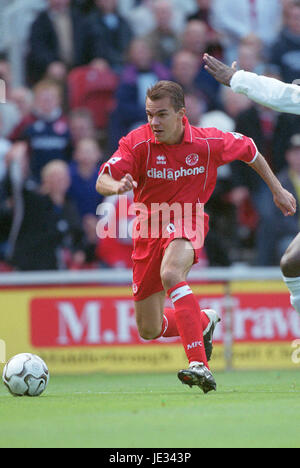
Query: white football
[[26, 374]]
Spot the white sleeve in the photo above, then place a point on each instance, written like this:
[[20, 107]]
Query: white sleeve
[[268, 92]]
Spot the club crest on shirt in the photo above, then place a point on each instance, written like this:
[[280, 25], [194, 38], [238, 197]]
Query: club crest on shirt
[[192, 159]]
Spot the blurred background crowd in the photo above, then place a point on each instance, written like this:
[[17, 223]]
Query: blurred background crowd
[[76, 73]]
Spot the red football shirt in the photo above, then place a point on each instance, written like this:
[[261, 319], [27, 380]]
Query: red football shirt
[[182, 173]]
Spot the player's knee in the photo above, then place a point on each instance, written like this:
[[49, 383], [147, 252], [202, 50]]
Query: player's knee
[[148, 333], [169, 278], [290, 264]]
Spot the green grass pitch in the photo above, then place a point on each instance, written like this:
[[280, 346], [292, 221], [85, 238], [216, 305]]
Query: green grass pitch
[[250, 409]]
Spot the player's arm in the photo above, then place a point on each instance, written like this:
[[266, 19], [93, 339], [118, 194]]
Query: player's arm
[[107, 185], [283, 199], [269, 92]]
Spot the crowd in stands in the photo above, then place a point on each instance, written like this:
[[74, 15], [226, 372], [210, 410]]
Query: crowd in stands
[[76, 74]]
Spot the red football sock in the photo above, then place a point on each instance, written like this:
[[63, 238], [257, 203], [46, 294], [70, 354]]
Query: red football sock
[[187, 316], [169, 326]]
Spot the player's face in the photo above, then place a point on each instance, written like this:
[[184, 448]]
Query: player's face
[[165, 122]]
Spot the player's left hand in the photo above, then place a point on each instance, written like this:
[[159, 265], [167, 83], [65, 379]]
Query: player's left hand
[[286, 202]]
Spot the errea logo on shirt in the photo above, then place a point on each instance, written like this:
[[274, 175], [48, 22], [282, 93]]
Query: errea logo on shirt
[[171, 174], [161, 159]]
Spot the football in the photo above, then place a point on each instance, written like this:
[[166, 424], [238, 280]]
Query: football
[[26, 374]]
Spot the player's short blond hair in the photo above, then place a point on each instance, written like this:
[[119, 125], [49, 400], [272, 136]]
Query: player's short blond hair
[[169, 89]]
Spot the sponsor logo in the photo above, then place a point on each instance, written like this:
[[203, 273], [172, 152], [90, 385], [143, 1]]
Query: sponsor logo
[[192, 159], [171, 174], [88, 321]]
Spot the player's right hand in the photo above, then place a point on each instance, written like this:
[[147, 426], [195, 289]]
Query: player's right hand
[[286, 202], [221, 72], [126, 184]]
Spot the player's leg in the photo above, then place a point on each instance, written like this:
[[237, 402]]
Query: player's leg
[[290, 267], [149, 315], [177, 262]]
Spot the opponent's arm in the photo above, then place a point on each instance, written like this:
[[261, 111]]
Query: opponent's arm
[[107, 185], [267, 91], [283, 199]]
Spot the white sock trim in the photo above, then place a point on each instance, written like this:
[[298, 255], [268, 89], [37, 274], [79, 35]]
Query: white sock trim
[[180, 292], [293, 285], [196, 363]]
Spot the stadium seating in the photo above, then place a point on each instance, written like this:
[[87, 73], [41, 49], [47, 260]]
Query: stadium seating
[[94, 89]]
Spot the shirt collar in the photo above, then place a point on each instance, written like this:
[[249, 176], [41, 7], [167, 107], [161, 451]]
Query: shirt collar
[[187, 137]]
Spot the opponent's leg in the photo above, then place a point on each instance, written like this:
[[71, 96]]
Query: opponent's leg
[[290, 267]]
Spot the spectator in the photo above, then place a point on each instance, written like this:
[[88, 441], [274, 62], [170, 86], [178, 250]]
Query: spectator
[[262, 124], [81, 125], [55, 43], [232, 103], [3, 6], [286, 51], [84, 173], [285, 230], [90, 258], [288, 125], [22, 97], [34, 233], [9, 112], [48, 133], [18, 17], [236, 19], [195, 41], [5, 221], [224, 118], [55, 183], [249, 58], [142, 18], [107, 35], [185, 70], [5, 145], [203, 13], [164, 39], [140, 73]]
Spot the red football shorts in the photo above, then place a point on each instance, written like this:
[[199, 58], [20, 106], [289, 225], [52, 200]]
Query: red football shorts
[[148, 255]]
